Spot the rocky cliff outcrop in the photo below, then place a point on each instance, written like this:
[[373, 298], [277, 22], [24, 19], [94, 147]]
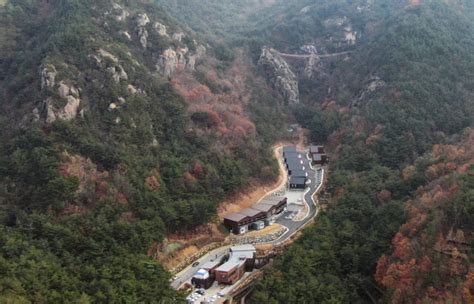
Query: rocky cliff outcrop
[[178, 36], [171, 60], [48, 76], [142, 22], [374, 84], [280, 75], [105, 60], [167, 63], [69, 94], [119, 13], [161, 29]]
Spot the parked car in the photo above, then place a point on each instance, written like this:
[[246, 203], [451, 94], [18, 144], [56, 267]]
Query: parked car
[[195, 264]]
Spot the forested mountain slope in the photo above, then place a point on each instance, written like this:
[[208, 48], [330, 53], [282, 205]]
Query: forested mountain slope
[[121, 124], [118, 126], [216, 19]]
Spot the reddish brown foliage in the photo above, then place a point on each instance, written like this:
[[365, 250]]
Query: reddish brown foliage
[[225, 109], [152, 183], [198, 169], [384, 196], [122, 199], [405, 271]]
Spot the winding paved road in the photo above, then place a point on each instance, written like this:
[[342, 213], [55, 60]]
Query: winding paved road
[[316, 178]]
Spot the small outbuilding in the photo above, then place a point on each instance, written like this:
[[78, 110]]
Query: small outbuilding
[[202, 279], [319, 159], [315, 149], [241, 259]]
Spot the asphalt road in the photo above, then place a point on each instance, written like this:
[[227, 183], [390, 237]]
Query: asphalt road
[[315, 178]]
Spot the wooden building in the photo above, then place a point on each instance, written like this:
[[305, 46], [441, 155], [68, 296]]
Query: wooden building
[[314, 149], [319, 159], [252, 218], [279, 203], [202, 279], [239, 222], [318, 155], [241, 259]]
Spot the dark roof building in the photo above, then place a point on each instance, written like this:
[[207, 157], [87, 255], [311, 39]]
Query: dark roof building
[[241, 259], [289, 149], [299, 173], [319, 159], [294, 165], [239, 222], [313, 149], [292, 155], [297, 182], [267, 208], [294, 161]]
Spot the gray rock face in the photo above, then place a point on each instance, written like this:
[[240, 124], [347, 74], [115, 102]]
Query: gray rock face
[[375, 84], [50, 115], [306, 9], [65, 90], [70, 94], [309, 49], [109, 62], [167, 63], [36, 115], [280, 75], [70, 110], [312, 66], [48, 76], [104, 54], [161, 29], [171, 60], [118, 73], [142, 21], [201, 50], [126, 35], [350, 36], [191, 62], [178, 36], [119, 13]]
